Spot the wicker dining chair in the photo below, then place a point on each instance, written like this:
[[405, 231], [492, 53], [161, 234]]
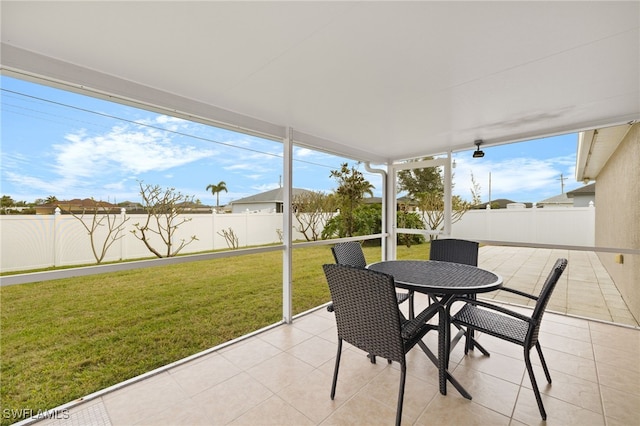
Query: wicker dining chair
[[512, 326], [456, 251], [368, 317], [350, 253]]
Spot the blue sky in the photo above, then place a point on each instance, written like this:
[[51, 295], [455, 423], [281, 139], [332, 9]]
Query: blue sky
[[71, 146]]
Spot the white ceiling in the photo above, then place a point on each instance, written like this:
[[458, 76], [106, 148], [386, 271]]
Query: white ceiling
[[373, 80]]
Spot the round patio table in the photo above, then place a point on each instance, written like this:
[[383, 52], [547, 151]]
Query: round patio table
[[442, 280], [437, 277]]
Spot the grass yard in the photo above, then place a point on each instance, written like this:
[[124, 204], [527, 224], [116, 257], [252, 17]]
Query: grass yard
[[63, 339]]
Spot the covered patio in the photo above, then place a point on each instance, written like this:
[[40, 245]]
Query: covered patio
[[380, 83], [282, 375]]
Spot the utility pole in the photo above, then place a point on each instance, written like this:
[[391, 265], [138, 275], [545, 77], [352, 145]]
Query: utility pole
[[562, 179]]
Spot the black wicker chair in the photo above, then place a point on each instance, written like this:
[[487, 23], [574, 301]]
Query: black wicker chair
[[512, 326], [350, 253], [368, 317], [456, 251]]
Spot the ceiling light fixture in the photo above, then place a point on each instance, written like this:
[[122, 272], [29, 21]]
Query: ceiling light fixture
[[477, 153]]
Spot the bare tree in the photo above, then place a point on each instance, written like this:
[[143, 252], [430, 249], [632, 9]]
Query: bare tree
[[231, 238], [312, 210], [431, 206], [100, 217], [476, 198], [163, 207]]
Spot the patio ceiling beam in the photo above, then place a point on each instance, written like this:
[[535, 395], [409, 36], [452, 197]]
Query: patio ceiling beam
[[42, 69]]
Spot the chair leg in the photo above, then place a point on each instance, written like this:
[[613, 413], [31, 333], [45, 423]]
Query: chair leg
[[403, 377], [411, 305], [471, 343], [534, 384], [468, 340], [335, 370], [544, 364]]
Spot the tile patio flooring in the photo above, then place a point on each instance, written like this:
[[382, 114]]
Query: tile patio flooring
[[282, 376]]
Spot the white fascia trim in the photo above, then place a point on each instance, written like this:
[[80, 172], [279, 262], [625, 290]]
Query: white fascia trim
[[31, 66], [335, 148]]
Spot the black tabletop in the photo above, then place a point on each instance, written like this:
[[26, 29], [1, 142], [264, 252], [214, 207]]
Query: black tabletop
[[431, 276]]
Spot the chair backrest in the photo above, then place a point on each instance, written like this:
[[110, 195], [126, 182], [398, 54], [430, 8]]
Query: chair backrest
[[548, 287], [454, 250], [349, 253], [366, 310]]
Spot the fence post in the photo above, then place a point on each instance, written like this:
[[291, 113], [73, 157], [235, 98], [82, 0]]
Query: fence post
[[213, 229], [56, 236], [123, 217], [487, 223]]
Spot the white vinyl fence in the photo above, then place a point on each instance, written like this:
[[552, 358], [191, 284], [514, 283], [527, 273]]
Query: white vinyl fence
[[574, 226], [41, 241]]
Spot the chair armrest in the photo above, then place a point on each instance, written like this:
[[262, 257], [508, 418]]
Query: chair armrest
[[489, 306], [518, 292]]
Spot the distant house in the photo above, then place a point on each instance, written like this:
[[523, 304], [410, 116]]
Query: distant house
[[582, 197], [560, 200], [270, 201], [77, 206], [501, 203]]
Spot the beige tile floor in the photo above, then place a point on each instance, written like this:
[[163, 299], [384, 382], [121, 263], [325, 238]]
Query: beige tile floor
[[585, 289], [282, 376]]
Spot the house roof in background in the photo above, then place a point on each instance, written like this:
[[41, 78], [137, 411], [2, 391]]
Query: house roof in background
[[560, 199], [502, 203], [583, 190], [272, 196], [373, 81]]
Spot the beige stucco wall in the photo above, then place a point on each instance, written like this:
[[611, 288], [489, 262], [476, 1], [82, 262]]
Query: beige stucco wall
[[618, 216]]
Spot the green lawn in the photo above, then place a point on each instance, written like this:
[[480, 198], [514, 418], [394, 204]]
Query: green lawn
[[63, 339]]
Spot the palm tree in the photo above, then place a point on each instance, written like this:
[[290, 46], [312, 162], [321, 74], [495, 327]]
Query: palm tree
[[51, 199], [216, 190]]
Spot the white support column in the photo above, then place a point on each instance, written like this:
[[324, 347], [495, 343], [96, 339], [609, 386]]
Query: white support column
[[390, 202], [448, 183], [287, 220], [385, 222]]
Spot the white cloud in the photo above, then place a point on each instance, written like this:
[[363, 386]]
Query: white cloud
[[127, 150], [34, 183], [86, 165], [244, 166], [304, 152], [515, 178], [266, 187]]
